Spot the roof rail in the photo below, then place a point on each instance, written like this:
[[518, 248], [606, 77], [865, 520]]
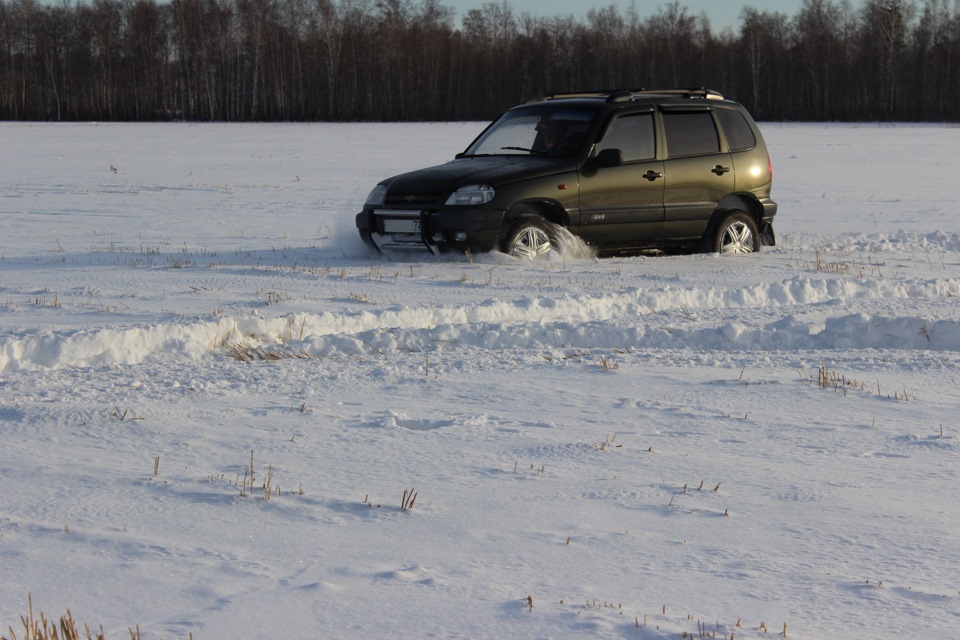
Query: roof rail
[[694, 92], [578, 94], [628, 95]]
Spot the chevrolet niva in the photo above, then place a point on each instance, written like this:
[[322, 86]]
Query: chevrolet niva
[[625, 170]]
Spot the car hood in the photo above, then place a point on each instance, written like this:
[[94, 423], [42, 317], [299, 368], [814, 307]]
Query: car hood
[[490, 170]]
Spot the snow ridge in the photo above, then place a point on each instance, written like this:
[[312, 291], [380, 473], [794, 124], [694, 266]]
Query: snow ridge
[[633, 318]]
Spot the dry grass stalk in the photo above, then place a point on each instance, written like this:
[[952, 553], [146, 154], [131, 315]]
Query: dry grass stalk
[[44, 629], [827, 379], [244, 353], [608, 364], [609, 441], [822, 266], [266, 487], [409, 497]]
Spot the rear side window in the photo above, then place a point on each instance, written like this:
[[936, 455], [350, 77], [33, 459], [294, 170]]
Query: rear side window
[[739, 134], [690, 133], [633, 135]]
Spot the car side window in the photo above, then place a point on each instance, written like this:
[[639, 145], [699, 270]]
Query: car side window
[[739, 134], [633, 134], [690, 133]]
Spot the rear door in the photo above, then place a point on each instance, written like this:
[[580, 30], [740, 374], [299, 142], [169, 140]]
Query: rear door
[[623, 206], [697, 174]]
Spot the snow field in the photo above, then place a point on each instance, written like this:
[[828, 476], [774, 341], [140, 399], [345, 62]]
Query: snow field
[[639, 445]]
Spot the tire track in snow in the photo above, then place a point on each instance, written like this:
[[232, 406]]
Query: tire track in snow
[[630, 318]]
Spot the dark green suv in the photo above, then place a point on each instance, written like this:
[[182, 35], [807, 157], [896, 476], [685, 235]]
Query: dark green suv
[[623, 170]]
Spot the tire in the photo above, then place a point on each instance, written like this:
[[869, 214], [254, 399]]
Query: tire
[[528, 236], [736, 233]]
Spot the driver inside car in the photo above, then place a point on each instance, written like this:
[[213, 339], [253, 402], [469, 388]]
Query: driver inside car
[[553, 133]]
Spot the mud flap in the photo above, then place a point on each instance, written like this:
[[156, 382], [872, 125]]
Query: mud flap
[[767, 237]]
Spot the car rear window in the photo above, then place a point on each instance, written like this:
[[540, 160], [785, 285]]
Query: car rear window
[[690, 133], [739, 134]]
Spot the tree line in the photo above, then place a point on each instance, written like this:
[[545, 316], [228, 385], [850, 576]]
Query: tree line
[[411, 60]]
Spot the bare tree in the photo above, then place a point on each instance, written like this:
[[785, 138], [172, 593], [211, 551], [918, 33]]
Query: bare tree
[[410, 59]]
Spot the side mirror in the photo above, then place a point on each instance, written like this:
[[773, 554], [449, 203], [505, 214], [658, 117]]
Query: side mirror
[[608, 158]]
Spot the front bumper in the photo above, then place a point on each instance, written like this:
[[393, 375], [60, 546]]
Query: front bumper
[[475, 230]]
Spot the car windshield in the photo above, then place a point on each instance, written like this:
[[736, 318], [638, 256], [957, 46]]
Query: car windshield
[[540, 131]]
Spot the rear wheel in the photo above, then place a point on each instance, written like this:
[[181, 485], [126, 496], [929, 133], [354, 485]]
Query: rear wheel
[[528, 236], [736, 233]]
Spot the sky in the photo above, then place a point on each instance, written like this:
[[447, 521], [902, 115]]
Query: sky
[[722, 13]]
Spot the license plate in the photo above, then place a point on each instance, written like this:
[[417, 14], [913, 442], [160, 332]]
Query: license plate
[[401, 226]]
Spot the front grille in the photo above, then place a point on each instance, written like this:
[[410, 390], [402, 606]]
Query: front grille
[[413, 199]]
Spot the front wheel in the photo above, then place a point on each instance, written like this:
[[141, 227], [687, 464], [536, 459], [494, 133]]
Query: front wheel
[[736, 233], [528, 237]]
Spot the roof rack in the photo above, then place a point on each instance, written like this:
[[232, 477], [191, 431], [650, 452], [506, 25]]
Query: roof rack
[[629, 95]]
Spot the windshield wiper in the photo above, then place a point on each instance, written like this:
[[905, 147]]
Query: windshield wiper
[[536, 151]]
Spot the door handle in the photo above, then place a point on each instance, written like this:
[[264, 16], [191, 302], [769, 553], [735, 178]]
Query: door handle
[[652, 175], [720, 170]]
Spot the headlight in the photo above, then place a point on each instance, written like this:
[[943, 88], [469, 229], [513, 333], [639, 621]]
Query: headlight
[[472, 194], [375, 199]]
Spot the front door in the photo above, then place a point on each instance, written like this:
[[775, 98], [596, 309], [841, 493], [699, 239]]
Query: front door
[[623, 205]]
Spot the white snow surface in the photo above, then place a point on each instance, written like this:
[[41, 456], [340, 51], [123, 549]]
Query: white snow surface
[[633, 447]]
